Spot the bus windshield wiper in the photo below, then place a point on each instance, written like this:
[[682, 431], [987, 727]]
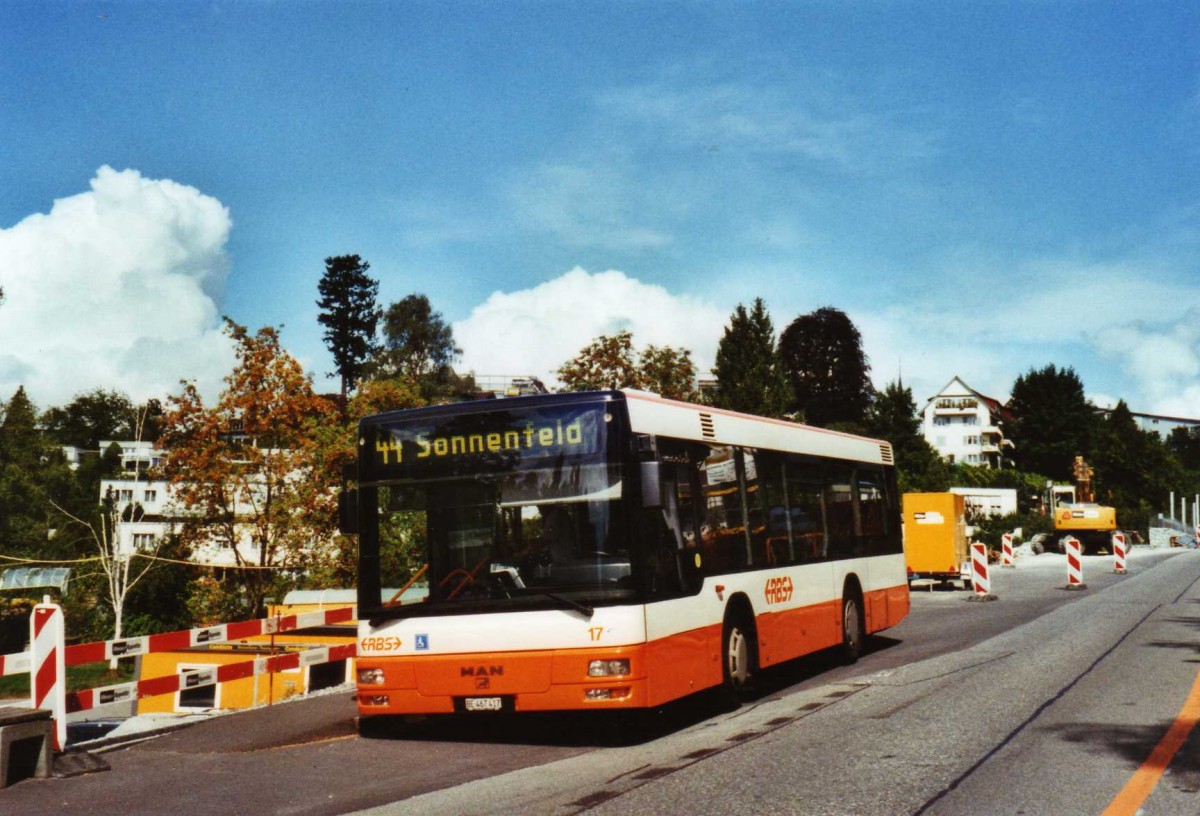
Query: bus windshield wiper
[[567, 602]]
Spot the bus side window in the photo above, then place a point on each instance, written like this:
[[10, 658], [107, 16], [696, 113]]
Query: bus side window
[[806, 510], [840, 511], [753, 511], [722, 533], [778, 536], [873, 503]]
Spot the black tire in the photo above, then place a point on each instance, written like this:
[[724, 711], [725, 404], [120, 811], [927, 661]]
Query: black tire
[[854, 630], [739, 660]]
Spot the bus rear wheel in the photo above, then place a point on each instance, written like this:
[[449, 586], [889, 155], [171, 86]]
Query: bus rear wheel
[[738, 657], [853, 628]]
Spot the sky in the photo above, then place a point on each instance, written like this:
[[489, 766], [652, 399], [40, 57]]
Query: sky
[[985, 188]]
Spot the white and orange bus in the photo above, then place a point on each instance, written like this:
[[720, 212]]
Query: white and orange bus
[[610, 550]]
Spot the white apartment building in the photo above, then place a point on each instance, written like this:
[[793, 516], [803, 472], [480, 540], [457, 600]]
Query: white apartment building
[[155, 512], [966, 427]]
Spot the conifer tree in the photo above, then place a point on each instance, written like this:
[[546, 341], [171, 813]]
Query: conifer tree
[[750, 376], [350, 316]]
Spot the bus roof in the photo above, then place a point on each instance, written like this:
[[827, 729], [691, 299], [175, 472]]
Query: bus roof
[[651, 414]]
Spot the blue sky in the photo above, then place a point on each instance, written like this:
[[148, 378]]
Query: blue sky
[[983, 187]]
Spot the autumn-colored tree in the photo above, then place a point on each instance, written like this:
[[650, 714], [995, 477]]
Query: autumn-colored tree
[[245, 471], [611, 362]]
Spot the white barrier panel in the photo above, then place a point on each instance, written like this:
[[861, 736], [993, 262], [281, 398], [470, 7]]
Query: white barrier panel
[[48, 675]]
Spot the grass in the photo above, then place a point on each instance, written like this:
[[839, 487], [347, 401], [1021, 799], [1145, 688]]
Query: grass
[[78, 678]]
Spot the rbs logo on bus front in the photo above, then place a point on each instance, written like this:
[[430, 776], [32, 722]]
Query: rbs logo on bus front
[[778, 590]]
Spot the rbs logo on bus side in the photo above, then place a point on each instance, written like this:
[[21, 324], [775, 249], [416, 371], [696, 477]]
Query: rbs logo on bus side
[[778, 590]]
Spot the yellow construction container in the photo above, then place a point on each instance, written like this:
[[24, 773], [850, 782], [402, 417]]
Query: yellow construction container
[[935, 537], [248, 692]]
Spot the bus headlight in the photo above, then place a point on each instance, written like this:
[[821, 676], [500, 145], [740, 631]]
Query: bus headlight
[[370, 677], [609, 668]]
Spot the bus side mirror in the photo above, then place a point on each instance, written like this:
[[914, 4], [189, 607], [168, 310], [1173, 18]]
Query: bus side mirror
[[651, 485], [348, 511]]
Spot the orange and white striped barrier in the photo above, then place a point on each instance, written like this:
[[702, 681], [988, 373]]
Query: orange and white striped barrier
[[1074, 563], [1006, 551], [48, 673], [1119, 551]]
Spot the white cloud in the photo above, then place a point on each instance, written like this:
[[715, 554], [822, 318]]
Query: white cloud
[[115, 288], [536, 330], [1163, 358], [587, 205]]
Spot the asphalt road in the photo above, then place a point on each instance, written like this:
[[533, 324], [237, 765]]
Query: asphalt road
[[1042, 702]]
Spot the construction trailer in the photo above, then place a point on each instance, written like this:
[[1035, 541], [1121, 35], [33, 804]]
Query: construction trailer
[[935, 537]]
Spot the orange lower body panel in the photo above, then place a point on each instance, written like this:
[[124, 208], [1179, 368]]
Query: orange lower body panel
[[660, 671]]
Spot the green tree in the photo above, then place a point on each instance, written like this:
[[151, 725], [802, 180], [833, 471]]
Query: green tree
[[828, 370], [893, 416], [1185, 444], [1052, 421], [611, 362], [749, 371], [33, 473], [417, 342], [418, 346], [350, 316], [1134, 469], [90, 418]]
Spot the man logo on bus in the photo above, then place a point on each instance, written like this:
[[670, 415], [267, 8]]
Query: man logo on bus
[[480, 671]]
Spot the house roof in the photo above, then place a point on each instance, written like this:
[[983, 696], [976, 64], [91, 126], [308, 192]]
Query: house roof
[[993, 405]]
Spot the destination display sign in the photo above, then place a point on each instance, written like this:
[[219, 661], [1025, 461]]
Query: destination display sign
[[487, 442]]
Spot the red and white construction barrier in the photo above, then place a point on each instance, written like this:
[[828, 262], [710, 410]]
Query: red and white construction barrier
[[48, 657], [14, 663], [186, 638], [979, 570], [169, 684], [1119, 551], [1006, 551], [48, 680], [1074, 563]]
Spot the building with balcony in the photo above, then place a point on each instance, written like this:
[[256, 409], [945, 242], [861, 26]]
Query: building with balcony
[[966, 427]]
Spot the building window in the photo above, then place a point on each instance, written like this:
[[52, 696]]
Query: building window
[[143, 541], [939, 420], [151, 495]]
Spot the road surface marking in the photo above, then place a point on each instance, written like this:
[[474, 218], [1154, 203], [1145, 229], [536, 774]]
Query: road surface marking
[[1146, 777]]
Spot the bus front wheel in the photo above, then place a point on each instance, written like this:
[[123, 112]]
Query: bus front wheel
[[853, 628]]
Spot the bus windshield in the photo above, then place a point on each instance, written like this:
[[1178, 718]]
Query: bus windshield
[[510, 508]]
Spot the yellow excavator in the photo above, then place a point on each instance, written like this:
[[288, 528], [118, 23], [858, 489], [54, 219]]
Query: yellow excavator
[[1076, 513]]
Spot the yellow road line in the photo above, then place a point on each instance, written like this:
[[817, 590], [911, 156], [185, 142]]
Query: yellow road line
[[1147, 775]]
